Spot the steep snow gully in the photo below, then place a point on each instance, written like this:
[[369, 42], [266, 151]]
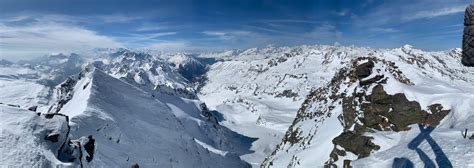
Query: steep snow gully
[[302, 106]]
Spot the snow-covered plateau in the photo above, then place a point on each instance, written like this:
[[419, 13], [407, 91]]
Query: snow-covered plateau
[[301, 106]]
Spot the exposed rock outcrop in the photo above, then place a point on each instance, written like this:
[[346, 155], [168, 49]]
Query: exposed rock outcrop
[[357, 144], [365, 110], [357, 97]]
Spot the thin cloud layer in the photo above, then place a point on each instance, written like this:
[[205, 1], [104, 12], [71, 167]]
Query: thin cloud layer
[[19, 41], [437, 12]]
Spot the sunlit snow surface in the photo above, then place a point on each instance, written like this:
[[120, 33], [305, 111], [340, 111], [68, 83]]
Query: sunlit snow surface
[[244, 86], [245, 89]]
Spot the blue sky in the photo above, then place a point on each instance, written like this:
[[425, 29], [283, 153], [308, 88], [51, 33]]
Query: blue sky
[[30, 28]]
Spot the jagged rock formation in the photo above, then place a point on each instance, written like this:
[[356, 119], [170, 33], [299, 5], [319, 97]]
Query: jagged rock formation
[[344, 112], [468, 37]]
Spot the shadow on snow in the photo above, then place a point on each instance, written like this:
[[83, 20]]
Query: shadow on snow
[[441, 158]]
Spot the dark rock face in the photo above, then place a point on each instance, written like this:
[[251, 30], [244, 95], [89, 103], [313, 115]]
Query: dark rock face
[[364, 70], [53, 137], [359, 145], [395, 112], [379, 96], [468, 37], [33, 108], [89, 147]]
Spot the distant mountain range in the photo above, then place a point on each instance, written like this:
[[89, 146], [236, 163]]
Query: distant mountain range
[[302, 106]]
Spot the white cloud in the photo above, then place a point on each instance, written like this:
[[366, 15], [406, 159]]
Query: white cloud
[[23, 41], [117, 18], [149, 36], [384, 30], [436, 12], [150, 27], [227, 35], [171, 46], [325, 32]]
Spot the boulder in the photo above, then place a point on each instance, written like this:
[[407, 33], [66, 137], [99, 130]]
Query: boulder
[[357, 144]]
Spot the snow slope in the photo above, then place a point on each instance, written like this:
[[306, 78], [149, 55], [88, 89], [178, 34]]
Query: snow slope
[[21, 86], [31, 83], [259, 90], [130, 125]]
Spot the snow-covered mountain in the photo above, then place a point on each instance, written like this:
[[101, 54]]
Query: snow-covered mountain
[[368, 112], [31, 83], [301, 106], [131, 125], [259, 97]]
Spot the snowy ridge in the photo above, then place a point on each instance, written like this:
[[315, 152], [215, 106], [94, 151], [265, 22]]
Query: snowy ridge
[[129, 125]]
